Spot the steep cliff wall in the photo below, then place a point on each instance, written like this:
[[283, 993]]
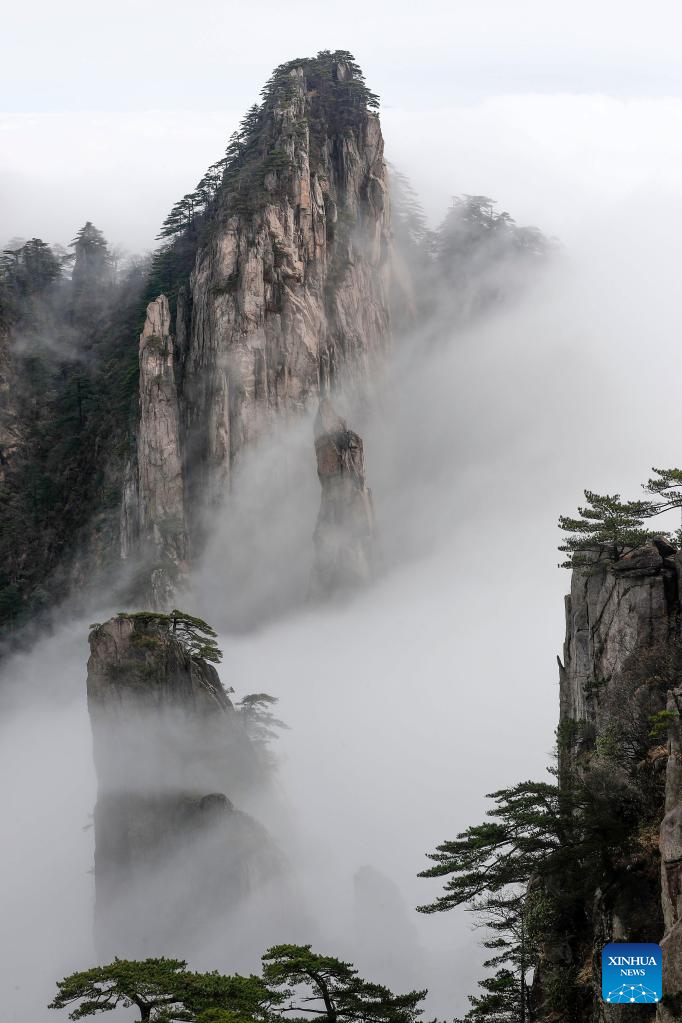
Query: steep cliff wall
[[290, 287], [173, 857], [288, 300], [153, 522], [271, 289], [671, 864], [621, 659]]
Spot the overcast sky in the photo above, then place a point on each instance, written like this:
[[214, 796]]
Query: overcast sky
[[111, 113]]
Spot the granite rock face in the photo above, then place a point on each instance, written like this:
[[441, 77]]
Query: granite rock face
[[671, 861], [622, 636], [614, 610], [290, 298], [153, 524], [288, 301], [173, 855], [345, 554]]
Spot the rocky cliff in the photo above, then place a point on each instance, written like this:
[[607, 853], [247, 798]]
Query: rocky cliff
[[153, 521], [271, 289], [173, 856], [671, 863], [287, 301], [621, 668], [290, 289]]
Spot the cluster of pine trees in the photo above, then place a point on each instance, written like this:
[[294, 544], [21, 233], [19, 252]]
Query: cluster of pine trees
[[475, 260], [608, 526], [68, 421], [295, 983]]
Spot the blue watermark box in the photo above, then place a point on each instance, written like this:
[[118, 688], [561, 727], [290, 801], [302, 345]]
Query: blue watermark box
[[631, 973]]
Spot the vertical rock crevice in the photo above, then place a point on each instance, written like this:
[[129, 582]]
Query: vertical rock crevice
[[153, 518]]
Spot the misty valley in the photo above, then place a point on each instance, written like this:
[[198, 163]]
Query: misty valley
[[279, 601]]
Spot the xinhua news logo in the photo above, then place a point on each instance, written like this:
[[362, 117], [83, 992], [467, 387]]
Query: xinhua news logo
[[631, 973]]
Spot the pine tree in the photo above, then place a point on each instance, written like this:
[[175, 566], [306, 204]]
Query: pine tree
[[606, 524], [333, 989], [28, 270], [92, 260], [196, 635]]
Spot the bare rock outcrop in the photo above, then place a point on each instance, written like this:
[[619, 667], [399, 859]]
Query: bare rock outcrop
[[614, 610], [290, 294], [345, 552], [622, 642], [153, 524], [288, 302], [671, 863], [173, 856]]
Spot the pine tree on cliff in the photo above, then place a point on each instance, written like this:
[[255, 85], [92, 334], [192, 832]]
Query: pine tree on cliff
[[605, 524], [489, 868], [196, 635]]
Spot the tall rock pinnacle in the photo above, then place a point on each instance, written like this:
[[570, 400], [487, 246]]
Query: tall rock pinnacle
[[345, 551], [173, 856], [153, 525], [289, 295], [288, 302]]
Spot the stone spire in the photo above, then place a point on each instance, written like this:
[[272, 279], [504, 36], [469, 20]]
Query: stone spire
[[344, 539]]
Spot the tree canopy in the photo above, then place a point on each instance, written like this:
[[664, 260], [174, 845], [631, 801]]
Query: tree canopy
[[255, 711], [154, 985], [333, 990], [605, 523], [29, 269], [196, 635], [92, 257], [608, 524], [293, 979]]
